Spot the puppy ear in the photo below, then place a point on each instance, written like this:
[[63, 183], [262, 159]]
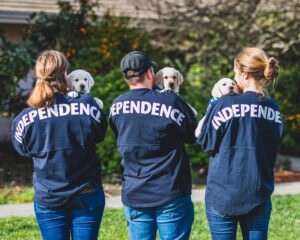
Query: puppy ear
[[237, 89], [70, 79], [216, 92], [179, 77], [91, 81], [159, 77]]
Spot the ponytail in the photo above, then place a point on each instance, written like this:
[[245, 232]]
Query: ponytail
[[50, 69], [256, 63], [271, 69], [41, 96]]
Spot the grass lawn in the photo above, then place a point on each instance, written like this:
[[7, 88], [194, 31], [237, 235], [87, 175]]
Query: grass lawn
[[25, 193], [16, 194], [284, 225]]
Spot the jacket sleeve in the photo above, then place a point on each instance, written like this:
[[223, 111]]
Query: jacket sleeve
[[189, 123], [112, 124], [100, 127], [211, 134], [17, 137]]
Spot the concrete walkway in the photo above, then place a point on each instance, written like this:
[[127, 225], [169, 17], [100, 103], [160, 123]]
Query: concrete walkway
[[295, 163], [26, 209]]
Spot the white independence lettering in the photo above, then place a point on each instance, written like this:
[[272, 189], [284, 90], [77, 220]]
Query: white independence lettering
[[144, 107], [57, 110], [241, 110]]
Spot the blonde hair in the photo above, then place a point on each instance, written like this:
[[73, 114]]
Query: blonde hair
[[257, 64], [50, 69]]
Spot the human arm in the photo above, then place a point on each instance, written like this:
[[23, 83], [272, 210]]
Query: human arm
[[17, 137], [212, 102], [210, 135]]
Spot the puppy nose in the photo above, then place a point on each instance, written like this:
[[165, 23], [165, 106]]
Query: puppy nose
[[231, 87], [171, 84], [82, 86]]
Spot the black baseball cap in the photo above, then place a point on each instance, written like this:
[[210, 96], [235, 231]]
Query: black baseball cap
[[135, 64]]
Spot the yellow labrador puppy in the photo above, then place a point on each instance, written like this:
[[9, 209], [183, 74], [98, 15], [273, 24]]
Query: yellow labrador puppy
[[225, 86], [170, 79], [81, 81]]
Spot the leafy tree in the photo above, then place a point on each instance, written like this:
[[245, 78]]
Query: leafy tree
[[15, 60], [96, 44], [203, 37], [200, 38], [287, 93]]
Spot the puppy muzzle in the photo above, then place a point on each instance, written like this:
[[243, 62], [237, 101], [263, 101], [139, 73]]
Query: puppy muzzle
[[172, 85], [231, 91], [82, 89]]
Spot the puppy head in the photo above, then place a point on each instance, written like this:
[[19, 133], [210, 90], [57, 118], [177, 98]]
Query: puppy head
[[169, 78], [80, 81], [225, 86]]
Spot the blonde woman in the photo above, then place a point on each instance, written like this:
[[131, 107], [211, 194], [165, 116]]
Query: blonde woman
[[59, 133], [242, 133]]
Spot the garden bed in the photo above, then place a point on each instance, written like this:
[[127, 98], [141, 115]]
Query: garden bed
[[286, 176]]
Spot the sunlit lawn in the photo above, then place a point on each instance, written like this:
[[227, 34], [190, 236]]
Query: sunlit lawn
[[284, 225], [16, 194]]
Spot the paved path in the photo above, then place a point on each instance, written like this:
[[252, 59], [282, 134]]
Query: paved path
[[295, 163], [26, 209]]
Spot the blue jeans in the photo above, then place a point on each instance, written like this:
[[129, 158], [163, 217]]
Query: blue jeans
[[173, 220], [81, 217], [254, 225]]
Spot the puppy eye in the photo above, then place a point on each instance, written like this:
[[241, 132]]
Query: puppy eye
[[224, 84], [76, 80], [85, 79], [165, 77], [174, 77]]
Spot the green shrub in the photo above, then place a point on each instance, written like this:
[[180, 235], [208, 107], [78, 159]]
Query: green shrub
[[97, 44], [15, 61], [107, 88], [286, 92], [196, 90]]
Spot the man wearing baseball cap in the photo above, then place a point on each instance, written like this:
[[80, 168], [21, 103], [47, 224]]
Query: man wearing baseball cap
[[151, 129]]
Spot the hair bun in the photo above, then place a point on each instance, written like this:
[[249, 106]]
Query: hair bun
[[271, 69]]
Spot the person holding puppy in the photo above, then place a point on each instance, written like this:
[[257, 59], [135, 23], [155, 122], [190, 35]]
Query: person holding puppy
[[60, 133], [151, 128], [242, 133]]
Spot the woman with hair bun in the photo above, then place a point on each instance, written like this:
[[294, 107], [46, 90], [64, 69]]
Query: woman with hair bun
[[60, 133], [242, 133]]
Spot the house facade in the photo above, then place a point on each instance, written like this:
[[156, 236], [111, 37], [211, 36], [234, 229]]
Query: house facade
[[14, 14]]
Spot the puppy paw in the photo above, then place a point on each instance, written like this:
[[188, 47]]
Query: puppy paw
[[165, 90], [73, 94], [99, 102]]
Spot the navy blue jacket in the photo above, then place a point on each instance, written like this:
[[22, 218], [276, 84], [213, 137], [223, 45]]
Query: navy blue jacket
[[151, 129], [61, 140], [242, 133]]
